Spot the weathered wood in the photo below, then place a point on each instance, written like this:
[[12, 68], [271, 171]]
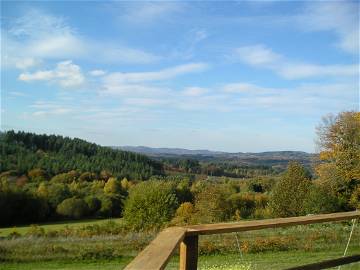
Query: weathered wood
[[189, 253], [328, 263], [156, 255], [268, 223]]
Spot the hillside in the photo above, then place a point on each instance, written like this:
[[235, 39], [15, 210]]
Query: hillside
[[272, 158], [23, 151]]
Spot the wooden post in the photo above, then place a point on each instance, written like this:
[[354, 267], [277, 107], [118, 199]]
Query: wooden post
[[189, 253]]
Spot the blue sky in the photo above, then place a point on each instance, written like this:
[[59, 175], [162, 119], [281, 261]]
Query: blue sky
[[231, 76]]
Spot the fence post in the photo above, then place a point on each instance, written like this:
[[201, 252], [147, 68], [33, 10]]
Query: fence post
[[189, 253]]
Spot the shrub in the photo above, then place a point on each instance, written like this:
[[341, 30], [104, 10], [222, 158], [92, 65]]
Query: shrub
[[150, 204], [72, 207], [242, 205], [184, 214], [290, 192], [211, 204], [319, 201], [35, 231], [93, 203], [275, 243]]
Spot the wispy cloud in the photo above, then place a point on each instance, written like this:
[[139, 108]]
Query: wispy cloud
[[164, 74], [142, 12], [341, 17], [97, 72], [194, 91], [261, 56], [37, 35], [66, 74]]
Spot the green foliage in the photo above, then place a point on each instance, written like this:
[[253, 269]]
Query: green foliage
[[93, 203], [18, 206], [289, 195], [73, 208], [184, 214], [339, 141], [320, 201], [150, 204], [211, 203], [112, 186], [24, 152]]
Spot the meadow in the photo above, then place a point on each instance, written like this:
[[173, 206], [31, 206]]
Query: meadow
[[84, 247]]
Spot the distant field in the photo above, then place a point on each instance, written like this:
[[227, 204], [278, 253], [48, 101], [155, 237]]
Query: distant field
[[55, 225]]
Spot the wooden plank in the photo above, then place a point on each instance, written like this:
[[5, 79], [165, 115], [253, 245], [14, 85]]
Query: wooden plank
[[156, 255], [268, 223], [189, 253], [328, 263]]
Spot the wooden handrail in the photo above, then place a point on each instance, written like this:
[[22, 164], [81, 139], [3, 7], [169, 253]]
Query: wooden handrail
[[158, 252], [156, 255]]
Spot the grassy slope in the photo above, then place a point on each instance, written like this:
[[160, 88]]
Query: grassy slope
[[55, 225]]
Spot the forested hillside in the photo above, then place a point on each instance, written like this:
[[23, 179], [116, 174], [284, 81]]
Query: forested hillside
[[23, 151]]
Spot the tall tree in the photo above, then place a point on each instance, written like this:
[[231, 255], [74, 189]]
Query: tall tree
[[290, 193], [339, 145]]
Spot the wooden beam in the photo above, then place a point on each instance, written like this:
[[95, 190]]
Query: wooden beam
[[189, 253], [328, 263], [268, 223], [156, 255]]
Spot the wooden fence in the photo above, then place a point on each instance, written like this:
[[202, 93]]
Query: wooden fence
[[157, 254]]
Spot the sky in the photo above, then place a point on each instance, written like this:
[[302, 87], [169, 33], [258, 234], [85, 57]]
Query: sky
[[236, 76]]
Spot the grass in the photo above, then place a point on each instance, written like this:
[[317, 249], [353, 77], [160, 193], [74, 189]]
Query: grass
[[285, 247], [263, 261], [54, 226]]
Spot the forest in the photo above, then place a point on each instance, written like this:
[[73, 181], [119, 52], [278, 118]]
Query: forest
[[49, 178]]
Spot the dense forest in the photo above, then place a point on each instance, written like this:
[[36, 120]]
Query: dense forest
[[22, 151]]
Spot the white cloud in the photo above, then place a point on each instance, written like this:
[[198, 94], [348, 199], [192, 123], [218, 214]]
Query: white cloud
[[305, 98], [341, 17], [147, 12], [241, 88], [26, 63], [164, 74], [46, 108], [261, 56], [257, 55], [194, 91], [145, 101], [58, 111], [66, 74], [40, 36], [97, 72]]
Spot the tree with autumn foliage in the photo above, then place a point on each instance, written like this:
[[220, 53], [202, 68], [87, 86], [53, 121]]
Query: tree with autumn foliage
[[339, 145]]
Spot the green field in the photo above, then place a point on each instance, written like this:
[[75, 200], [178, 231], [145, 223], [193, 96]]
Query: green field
[[264, 261], [55, 225], [284, 247]]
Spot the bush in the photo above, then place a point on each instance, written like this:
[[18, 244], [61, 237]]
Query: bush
[[150, 205], [184, 214], [242, 205], [319, 201], [73, 207], [275, 243], [93, 203], [289, 195], [211, 204]]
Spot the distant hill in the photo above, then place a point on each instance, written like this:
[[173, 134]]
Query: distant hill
[[270, 158], [167, 151]]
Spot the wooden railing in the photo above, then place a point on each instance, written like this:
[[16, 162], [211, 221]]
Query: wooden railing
[[157, 254]]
